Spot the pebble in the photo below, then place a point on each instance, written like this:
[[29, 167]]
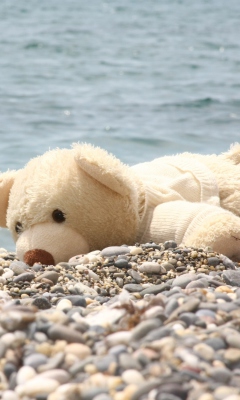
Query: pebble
[[232, 277], [42, 303], [153, 322], [113, 251], [151, 268]]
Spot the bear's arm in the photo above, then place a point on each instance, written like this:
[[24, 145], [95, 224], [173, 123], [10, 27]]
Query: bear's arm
[[193, 224]]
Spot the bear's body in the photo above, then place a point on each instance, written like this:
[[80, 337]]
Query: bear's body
[[68, 202]]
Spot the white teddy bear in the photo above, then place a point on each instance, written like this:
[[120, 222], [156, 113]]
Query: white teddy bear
[[69, 202]]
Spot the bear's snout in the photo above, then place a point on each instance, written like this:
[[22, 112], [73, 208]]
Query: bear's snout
[[38, 255]]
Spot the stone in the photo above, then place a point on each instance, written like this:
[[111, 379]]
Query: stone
[[143, 328], [213, 261], [80, 350], [37, 386], [26, 276], [121, 263], [49, 275], [42, 303], [170, 244], [132, 376], [62, 332], [35, 360], [64, 304], [135, 275], [184, 280], [151, 268], [204, 351], [155, 289], [113, 251], [232, 277], [60, 375], [232, 355], [133, 287]]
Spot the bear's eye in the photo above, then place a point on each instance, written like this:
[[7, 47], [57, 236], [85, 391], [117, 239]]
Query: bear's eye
[[18, 227], [58, 216]]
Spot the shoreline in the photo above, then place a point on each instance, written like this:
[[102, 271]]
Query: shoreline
[[151, 321]]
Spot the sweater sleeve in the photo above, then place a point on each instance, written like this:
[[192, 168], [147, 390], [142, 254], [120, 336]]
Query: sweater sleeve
[[193, 224]]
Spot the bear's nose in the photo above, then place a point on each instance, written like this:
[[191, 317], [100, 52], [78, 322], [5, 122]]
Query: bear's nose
[[38, 255]]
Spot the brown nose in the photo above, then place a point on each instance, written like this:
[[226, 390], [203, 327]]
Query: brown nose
[[38, 255]]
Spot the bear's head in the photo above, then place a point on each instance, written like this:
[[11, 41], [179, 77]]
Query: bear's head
[[68, 202]]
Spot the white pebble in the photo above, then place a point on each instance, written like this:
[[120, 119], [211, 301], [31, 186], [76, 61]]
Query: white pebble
[[85, 289], [135, 250], [130, 376], [9, 395], [64, 304], [8, 273], [120, 337], [37, 386], [8, 338], [93, 258], [24, 374], [93, 276], [150, 267]]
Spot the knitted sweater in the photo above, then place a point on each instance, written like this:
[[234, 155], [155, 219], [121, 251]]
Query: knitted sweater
[[179, 194]]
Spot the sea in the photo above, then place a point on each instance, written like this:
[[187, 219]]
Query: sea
[[141, 79]]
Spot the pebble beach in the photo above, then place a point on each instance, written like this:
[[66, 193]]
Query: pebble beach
[[144, 322]]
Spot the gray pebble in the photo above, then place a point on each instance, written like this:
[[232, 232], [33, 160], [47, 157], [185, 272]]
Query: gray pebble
[[213, 261], [114, 251], [121, 263], [157, 334], [171, 305], [155, 289], [170, 244], [133, 287], [184, 280], [216, 343], [222, 375], [188, 318], [145, 327], [102, 363], [168, 266], [229, 264], [228, 307], [232, 277], [118, 349], [120, 282], [50, 275], [199, 283], [35, 360], [42, 303], [135, 275], [126, 361], [26, 276], [18, 267], [62, 332], [175, 389], [77, 300]]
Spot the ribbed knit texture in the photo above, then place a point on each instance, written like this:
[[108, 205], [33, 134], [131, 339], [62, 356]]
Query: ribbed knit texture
[[177, 191]]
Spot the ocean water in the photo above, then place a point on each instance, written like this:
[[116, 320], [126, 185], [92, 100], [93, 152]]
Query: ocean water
[[140, 79]]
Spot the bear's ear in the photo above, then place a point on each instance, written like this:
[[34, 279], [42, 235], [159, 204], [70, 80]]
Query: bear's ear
[[6, 182], [105, 168]]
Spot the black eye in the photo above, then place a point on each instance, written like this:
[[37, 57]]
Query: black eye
[[18, 227], [58, 216]]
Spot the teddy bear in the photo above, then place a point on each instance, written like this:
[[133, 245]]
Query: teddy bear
[[73, 201]]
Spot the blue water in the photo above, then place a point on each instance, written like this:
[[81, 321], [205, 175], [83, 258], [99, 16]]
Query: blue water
[[140, 79]]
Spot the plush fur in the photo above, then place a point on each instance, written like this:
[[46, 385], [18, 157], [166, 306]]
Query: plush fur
[[190, 198]]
